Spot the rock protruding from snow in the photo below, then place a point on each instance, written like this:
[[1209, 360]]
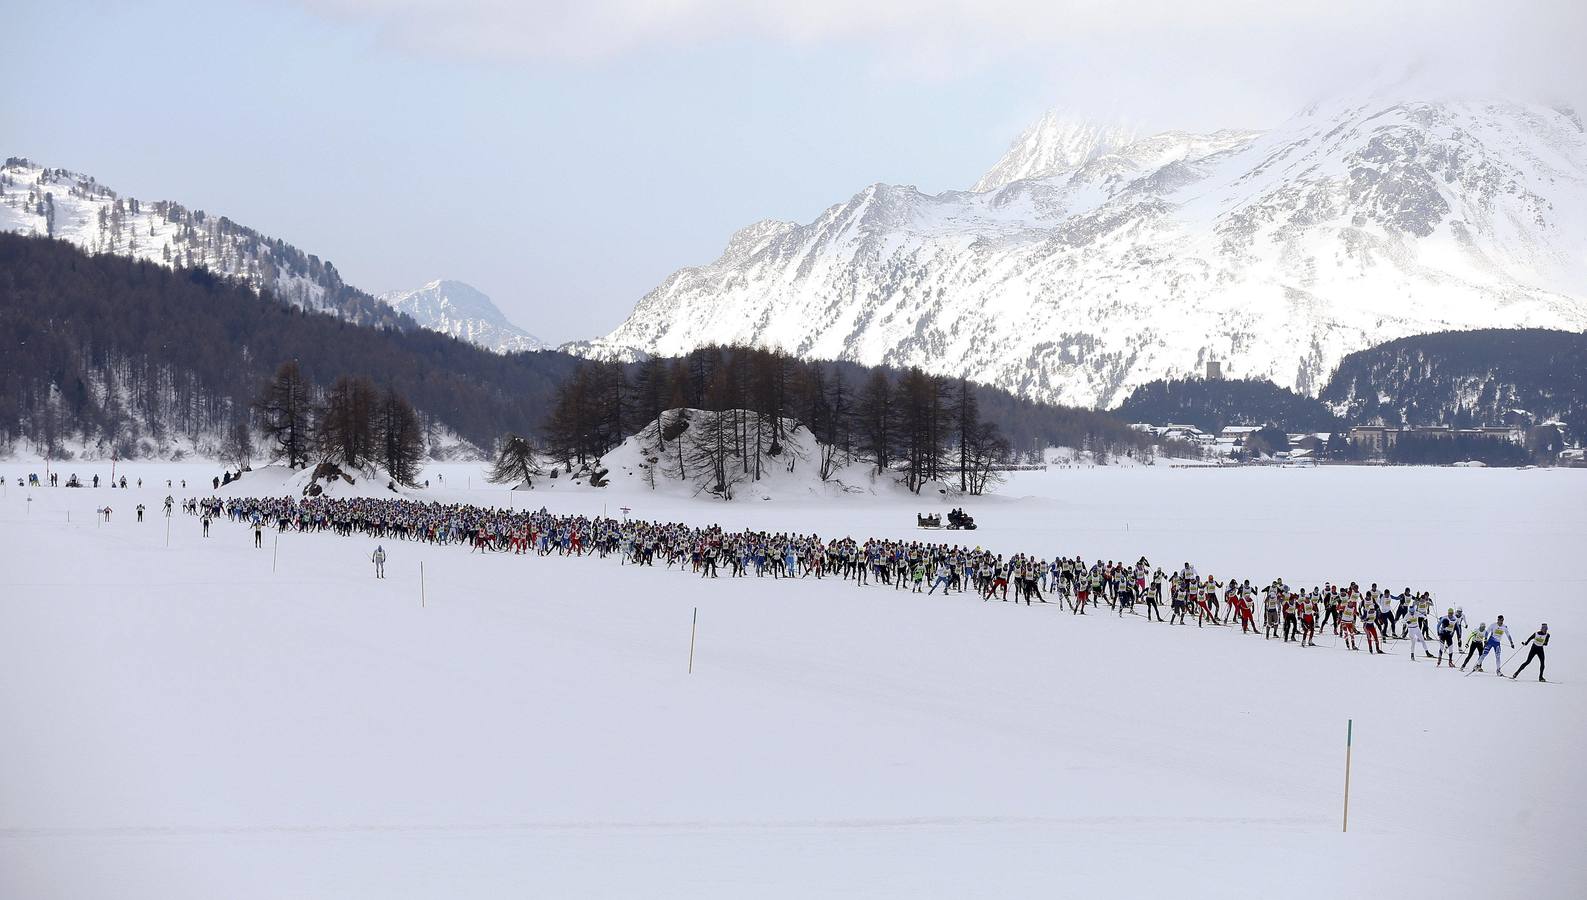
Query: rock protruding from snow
[[465, 312], [1276, 254], [1057, 143]]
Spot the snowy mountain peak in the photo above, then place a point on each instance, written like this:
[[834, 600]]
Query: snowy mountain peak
[[1277, 253], [465, 312], [1057, 143]]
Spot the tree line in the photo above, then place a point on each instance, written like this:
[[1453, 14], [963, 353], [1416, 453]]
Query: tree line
[[134, 358], [131, 357], [723, 415], [354, 424], [1466, 378]]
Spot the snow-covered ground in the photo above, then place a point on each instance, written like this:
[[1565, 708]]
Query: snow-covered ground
[[210, 720]]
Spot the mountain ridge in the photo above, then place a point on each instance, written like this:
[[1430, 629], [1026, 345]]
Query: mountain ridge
[[75, 207], [1277, 252], [463, 311]]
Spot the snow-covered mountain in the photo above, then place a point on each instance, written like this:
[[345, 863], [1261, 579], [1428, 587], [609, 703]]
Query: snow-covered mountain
[[463, 311], [1095, 262], [1057, 143], [75, 207]]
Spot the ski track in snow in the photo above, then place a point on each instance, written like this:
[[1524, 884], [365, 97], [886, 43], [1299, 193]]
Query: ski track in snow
[[183, 723]]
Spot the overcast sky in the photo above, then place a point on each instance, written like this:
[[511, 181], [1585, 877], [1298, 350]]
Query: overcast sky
[[565, 157]]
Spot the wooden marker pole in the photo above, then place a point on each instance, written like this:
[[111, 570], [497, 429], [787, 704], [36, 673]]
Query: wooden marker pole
[[421, 584], [1350, 727], [275, 550], [693, 626], [167, 531]]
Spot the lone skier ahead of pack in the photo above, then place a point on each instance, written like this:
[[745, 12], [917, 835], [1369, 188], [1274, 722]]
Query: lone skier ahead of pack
[[1538, 640], [379, 559]]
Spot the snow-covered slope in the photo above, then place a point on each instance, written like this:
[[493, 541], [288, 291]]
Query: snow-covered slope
[[1057, 143], [75, 207], [1276, 253], [463, 311]]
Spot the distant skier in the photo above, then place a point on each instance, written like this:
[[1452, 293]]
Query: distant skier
[[1538, 640], [379, 559], [140, 512]]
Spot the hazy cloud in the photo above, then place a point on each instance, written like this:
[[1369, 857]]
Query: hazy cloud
[[1147, 56]]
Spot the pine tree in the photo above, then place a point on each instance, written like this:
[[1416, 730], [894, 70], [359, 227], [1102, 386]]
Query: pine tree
[[875, 420], [516, 462], [346, 429], [286, 411], [649, 398], [400, 438], [239, 443], [966, 416], [921, 432]]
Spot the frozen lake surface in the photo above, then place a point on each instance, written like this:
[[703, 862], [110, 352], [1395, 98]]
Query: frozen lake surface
[[186, 722]]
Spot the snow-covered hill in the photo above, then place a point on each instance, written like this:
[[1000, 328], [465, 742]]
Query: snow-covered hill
[[463, 311], [1095, 263], [75, 207]]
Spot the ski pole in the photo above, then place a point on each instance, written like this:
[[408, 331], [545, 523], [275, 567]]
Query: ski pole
[[693, 624], [1350, 728]]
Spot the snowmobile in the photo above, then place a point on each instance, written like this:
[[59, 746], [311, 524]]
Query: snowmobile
[[958, 519], [931, 520]]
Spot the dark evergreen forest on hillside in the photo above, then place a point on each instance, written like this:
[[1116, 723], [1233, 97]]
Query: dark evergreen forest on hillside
[[1456, 378], [129, 354], [1211, 405], [1466, 378]]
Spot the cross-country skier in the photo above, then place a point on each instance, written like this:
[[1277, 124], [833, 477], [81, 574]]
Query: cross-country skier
[[1479, 637], [1370, 624], [1413, 630], [1538, 640], [1347, 624], [1446, 637], [1499, 630], [379, 559]]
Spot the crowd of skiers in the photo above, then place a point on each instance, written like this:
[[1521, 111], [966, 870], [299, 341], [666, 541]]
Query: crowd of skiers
[[1362, 619]]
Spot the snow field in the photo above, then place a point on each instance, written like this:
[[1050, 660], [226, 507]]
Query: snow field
[[183, 722]]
